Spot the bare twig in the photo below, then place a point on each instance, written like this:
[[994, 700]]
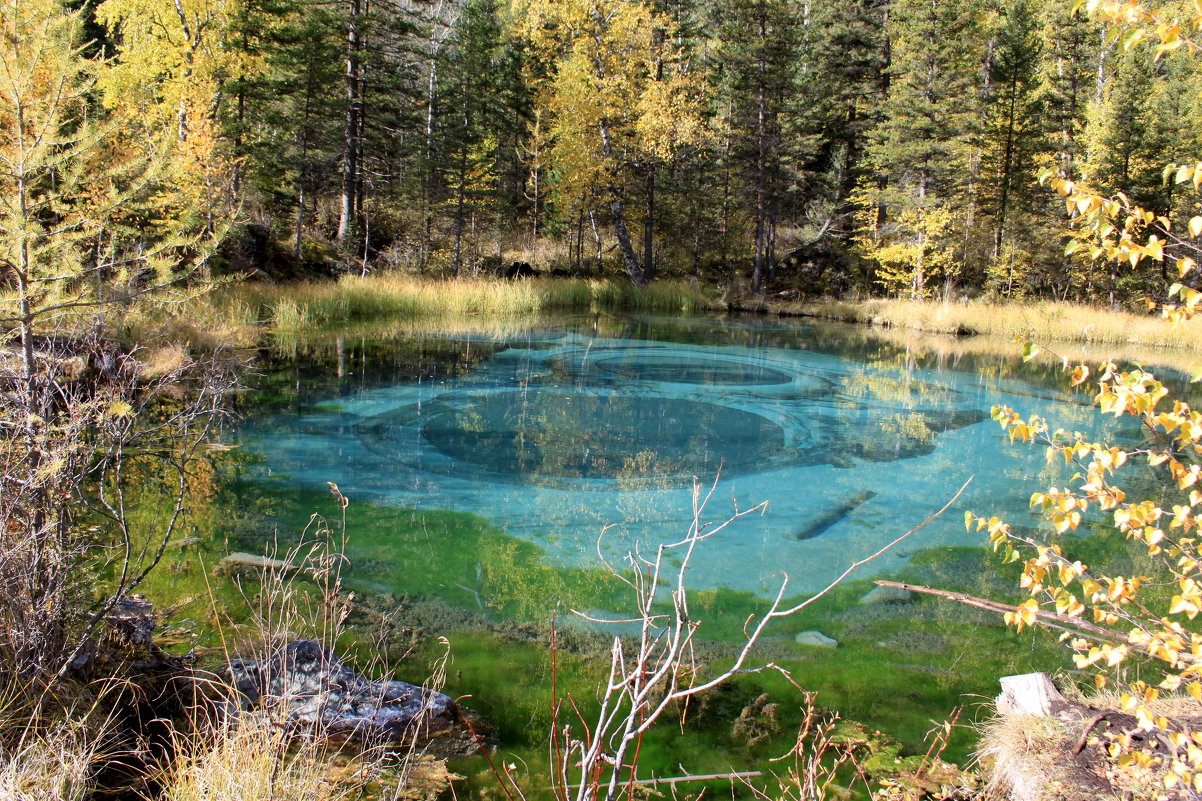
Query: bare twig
[[656, 671]]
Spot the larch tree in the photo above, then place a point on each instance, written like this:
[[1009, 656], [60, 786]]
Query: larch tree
[[618, 89], [95, 215]]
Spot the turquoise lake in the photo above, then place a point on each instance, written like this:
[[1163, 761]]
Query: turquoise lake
[[585, 438], [494, 472]]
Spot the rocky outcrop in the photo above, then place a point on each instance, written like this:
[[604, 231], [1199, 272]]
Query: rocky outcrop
[[306, 685]]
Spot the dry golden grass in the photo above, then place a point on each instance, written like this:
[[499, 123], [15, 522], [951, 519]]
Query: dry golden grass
[[1022, 757], [949, 349], [1042, 321], [54, 763], [248, 758], [301, 307], [1038, 758]]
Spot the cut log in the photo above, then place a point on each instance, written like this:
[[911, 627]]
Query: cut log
[[830, 517], [1030, 694]]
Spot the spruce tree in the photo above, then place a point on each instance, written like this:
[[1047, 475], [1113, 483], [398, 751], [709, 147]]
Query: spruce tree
[[924, 151], [1012, 136]]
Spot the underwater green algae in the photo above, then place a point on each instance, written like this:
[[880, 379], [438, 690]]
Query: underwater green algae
[[459, 577]]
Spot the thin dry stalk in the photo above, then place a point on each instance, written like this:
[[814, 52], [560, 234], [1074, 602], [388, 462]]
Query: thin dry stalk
[[658, 671], [815, 761]]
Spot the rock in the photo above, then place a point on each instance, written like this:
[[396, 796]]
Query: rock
[[886, 595], [816, 639], [306, 685]]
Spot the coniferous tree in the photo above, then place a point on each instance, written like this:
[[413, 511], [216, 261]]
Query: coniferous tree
[[923, 149], [840, 87], [758, 43], [1013, 129], [483, 106]]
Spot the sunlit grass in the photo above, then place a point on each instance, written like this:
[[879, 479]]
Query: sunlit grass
[[1042, 321], [49, 764], [295, 308], [247, 758]]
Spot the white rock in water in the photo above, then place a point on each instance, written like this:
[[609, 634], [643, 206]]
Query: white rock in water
[[816, 638], [886, 595]]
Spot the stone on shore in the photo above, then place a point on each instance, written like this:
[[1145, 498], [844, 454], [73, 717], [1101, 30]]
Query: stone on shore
[[306, 685], [816, 639]]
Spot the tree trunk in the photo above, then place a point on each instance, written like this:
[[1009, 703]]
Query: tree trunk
[[460, 192], [761, 162], [592, 221], [629, 259], [649, 229], [1007, 170], [350, 135]]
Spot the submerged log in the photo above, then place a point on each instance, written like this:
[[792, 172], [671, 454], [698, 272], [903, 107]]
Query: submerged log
[[256, 562], [822, 522], [306, 685]]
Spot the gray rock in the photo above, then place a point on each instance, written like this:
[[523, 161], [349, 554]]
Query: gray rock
[[816, 639], [886, 595], [305, 684]]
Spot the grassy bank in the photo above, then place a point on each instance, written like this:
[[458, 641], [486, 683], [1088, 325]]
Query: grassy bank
[[241, 313], [1043, 321], [301, 307]]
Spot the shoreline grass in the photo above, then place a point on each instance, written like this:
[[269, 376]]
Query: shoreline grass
[[243, 314], [298, 307], [1041, 321]]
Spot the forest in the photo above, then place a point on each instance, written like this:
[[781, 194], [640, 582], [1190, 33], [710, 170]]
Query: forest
[[880, 147]]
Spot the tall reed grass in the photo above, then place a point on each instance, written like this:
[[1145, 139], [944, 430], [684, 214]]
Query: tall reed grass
[[1042, 321], [296, 308]]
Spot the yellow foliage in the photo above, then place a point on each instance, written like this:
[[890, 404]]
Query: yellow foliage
[[616, 91], [913, 251], [1112, 614]]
